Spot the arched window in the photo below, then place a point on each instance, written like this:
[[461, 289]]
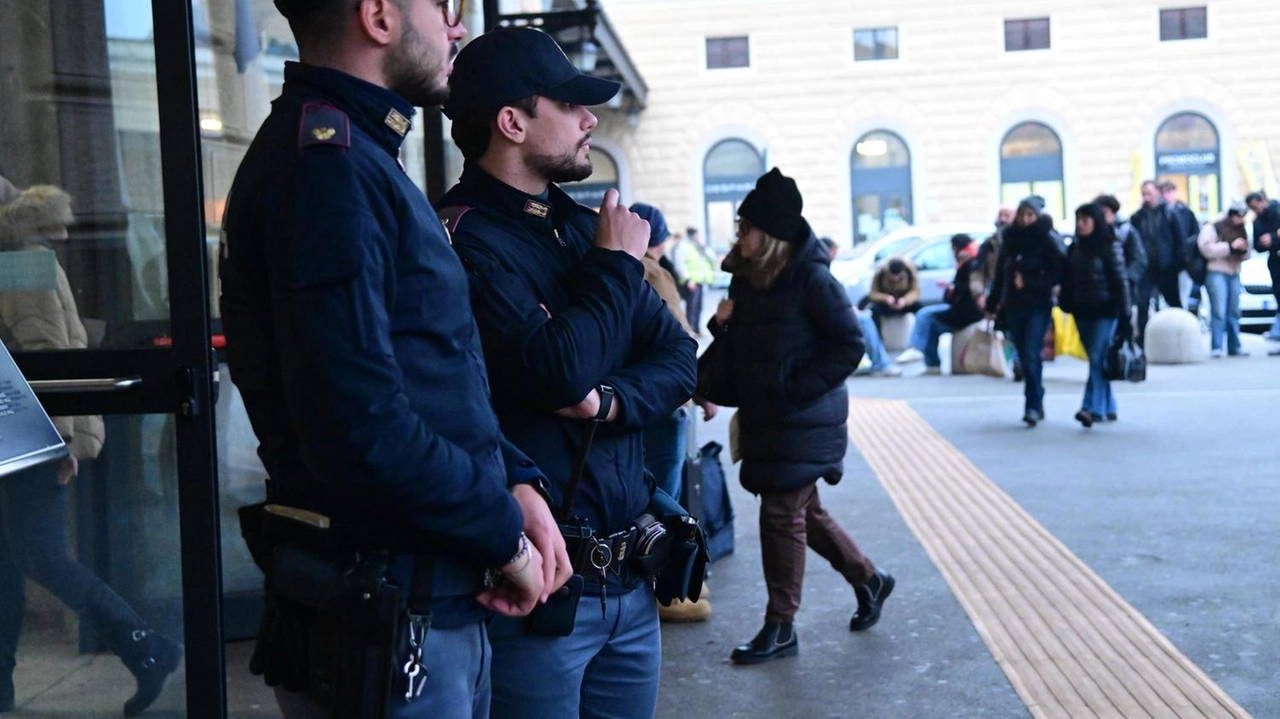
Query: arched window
[[604, 177], [881, 182], [1188, 154], [1031, 164], [729, 172]]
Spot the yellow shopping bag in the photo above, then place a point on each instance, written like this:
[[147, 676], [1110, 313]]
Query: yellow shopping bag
[[1066, 335]]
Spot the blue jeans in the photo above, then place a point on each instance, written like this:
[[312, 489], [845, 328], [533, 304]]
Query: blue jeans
[[927, 331], [1096, 336], [606, 669], [33, 543], [876, 352], [457, 670], [1224, 311], [664, 451], [1027, 328]]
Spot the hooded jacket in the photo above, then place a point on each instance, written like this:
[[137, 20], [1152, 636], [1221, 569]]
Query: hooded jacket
[[1094, 285], [886, 285], [792, 346], [1035, 252], [1215, 246]]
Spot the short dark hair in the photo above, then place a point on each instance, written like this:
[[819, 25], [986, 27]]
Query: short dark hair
[[1153, 183], [1108, 201], [961, 241], [473, 126], [1253, 197], [323, 24], [897, 266], [1167, 186]]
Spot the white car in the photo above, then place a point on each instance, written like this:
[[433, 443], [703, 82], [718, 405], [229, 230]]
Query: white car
[[856, 273], [1257, 300]]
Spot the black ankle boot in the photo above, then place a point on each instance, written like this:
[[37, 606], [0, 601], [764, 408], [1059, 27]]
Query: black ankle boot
[[151, 658], [871, 598], [775, 641]]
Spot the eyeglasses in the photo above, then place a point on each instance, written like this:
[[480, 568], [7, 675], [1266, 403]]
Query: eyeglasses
[[452, 11]]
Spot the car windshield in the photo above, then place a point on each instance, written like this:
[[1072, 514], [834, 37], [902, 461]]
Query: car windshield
[[895, 248]]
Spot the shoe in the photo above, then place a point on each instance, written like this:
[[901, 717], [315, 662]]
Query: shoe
[[683, 611], [933, 371], [1112, 416], [774, 641], [890, 371], [1217, 354], [871, 598], [1238, 353], [1271, 337], [1017, 373], [151, 658], [1085, 418], [910, 355], [1273, 353], [1032, 417]]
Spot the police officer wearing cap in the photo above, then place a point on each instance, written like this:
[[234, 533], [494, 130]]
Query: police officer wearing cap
[[351, 340], [571, 333]]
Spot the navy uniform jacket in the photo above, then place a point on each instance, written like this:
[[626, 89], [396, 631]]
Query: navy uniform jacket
[[558, 316], [350, 337]]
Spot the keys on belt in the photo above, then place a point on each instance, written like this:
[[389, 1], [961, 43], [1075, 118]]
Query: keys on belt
[[601, 557]]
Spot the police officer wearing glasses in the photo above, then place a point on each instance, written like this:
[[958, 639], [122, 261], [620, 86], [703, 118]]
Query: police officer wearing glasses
[[398, 517], [571, 333]]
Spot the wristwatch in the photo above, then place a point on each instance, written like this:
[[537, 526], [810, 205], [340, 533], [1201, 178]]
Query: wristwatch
[[607, 394]]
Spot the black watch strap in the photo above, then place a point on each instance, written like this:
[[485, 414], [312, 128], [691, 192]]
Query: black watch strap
[[607, 394]]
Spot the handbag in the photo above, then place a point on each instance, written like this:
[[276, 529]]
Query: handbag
[[984, 354], [715, 373], [1125, 361]]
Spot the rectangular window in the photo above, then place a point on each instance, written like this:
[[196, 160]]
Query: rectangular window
[[1184, 23], [1032, 34], [875, 44], [727, 52]]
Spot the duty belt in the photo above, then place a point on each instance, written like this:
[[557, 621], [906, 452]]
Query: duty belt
[[598, 555]]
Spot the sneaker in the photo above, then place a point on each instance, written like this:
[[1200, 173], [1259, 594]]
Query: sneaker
[[933, 371], [774, 641], [890, 371], [910, 356], [871, 598], [1217, 354]]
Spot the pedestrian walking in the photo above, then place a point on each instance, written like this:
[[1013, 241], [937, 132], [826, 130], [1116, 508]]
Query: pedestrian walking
[[572, 334], [1225, 245], [1021, 298], [1132, 244], [350, 337], [1095, 291], [793, 341]]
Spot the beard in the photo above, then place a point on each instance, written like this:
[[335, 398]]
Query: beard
[[562, 168], [413, 70]]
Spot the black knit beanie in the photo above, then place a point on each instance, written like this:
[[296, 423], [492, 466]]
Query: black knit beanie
[[774, 206]]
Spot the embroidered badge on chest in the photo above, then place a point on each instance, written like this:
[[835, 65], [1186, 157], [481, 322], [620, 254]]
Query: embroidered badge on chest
[[537, 209]]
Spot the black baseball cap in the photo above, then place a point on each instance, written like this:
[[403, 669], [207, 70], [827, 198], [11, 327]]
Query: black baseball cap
[[512, 63]]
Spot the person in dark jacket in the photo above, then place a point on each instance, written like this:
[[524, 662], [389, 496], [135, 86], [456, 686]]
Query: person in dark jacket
[[1135, 250], [961, 308], [1095, 291], [1029, 267], [793, 341], [1159, 229], [571, 333], [1266, 239], [1187, 226]]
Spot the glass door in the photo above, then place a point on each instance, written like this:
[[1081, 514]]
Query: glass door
[[115, 576]]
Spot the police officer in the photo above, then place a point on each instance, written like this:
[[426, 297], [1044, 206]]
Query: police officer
[[571, 331], [351, 341]]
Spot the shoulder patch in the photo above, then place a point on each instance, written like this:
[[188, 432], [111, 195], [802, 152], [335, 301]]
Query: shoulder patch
[[452, 216], [323, 124]]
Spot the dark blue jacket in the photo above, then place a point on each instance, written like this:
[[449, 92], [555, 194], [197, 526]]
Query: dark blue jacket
[[557, 317], [351, 340]]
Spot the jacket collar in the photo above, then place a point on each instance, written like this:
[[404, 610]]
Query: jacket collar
[[381, 113], [537, 212]]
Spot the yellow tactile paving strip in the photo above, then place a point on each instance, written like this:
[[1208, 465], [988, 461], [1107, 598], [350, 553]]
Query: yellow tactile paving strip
[[1070, 645]]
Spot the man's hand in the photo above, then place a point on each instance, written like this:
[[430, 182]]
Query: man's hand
[[522, 589], [1239, 245], [691, 285], [540, 527], [68, 469], [621, 229], [589, 407], [1265, 241], [724, 311]]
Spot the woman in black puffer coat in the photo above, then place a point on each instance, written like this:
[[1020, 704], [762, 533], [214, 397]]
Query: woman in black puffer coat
[[792, 340], [1096, 291]]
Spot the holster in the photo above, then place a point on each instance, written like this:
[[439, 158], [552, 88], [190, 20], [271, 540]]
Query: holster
[[686, 566], [333, 623]]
